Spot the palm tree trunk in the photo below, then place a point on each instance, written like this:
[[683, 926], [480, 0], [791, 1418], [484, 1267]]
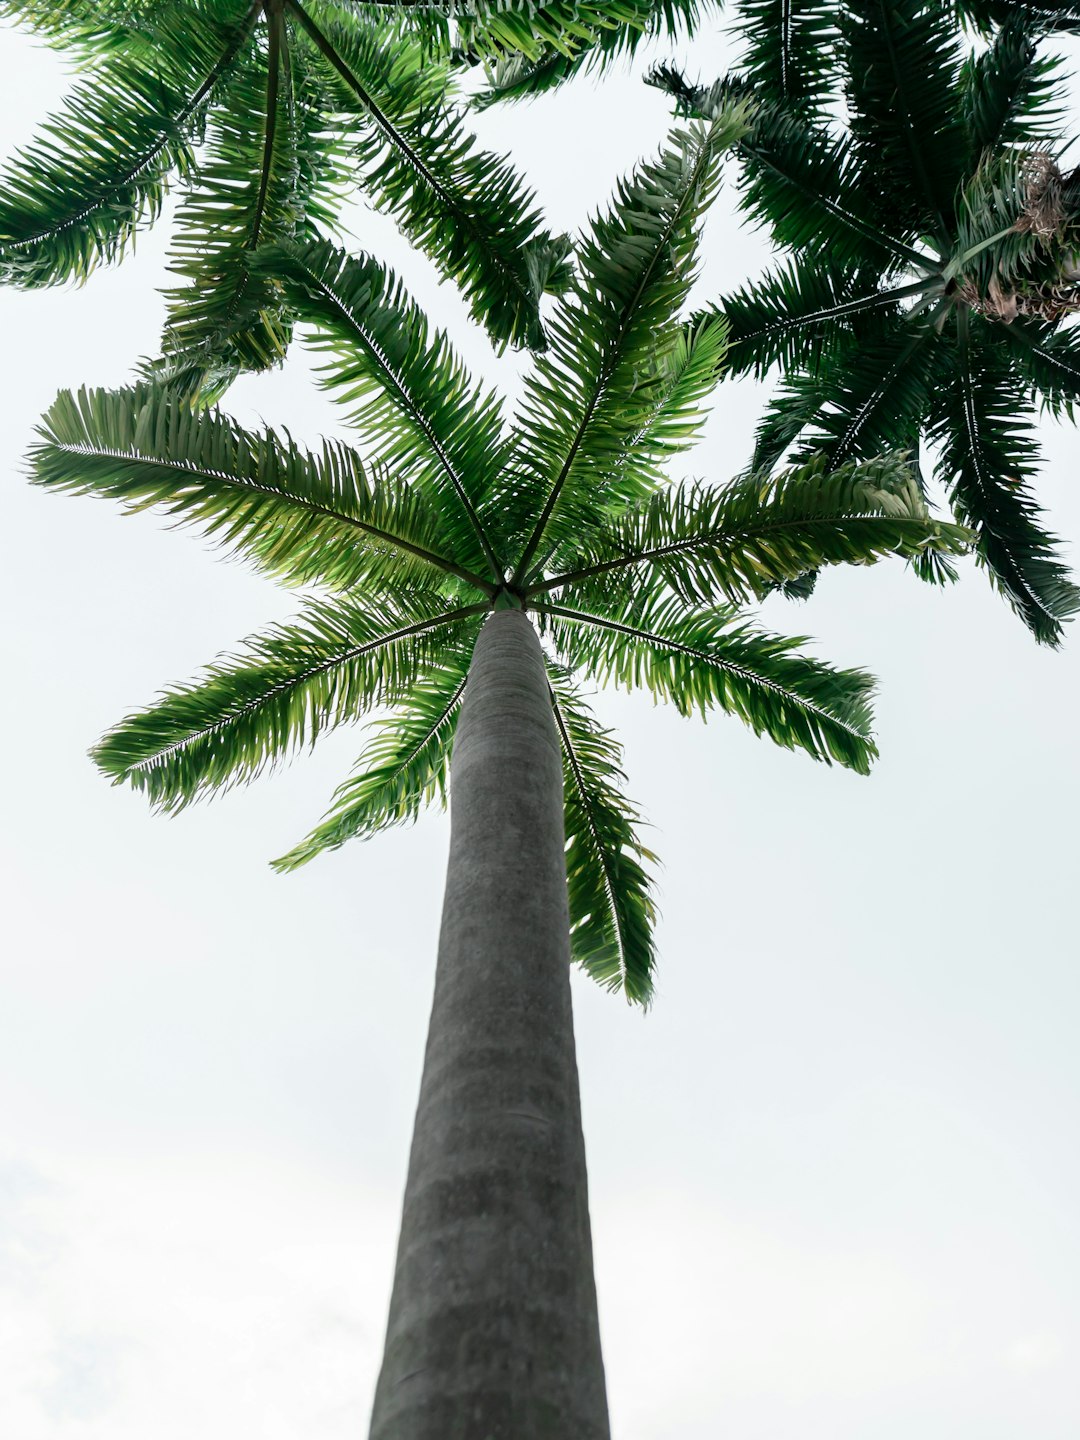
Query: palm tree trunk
[[493, 1331]]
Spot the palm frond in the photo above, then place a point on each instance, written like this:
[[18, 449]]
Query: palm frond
[[464, 207], [299, 516], [1048, 363], [516, 76], [744, 540], [795, 316], [1006, 92], [404, 767], [790, 57], [267, 177], [612, 910], [988, 454], [596, 388], [710, 658], [901, 63], [287, 687], [1037, 15], [97, 173], [407, 390], [793, 172], [868, 400]]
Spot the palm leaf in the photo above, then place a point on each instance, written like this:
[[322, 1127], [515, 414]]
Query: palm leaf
[[612, 910], [1037, 15], [596, 388], [79, 193], [1005, 92], [744, 540], [793, 173], [299, 516], [790, 54], [268, 177], [901, 65], [287, 687], [1048, 363], [406, 388], [709, 658], [465, 208], [796, 316], [988, 454], [869, 399], [404, 767]]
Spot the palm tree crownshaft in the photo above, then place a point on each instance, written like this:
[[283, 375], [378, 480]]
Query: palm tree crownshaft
[[506, 1343]]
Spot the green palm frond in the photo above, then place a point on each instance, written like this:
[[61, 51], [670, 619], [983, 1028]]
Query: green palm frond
[[405, 766], [790, 57], [1048, 364], [796, 173], [797, 315], [466, 208], [988, 454], [1006, 92], [406, 388], [901, 64], [287, 687], [612, 910], [299, 516], [744, 540], [266, 178], [1037, 15], [595, 390], [711, 659], [97, 173], [517, 76], [865, 402]]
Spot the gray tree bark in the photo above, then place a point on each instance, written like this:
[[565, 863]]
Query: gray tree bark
[[493, 1331]]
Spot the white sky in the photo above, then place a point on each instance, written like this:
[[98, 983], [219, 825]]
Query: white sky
[[834, 1171]]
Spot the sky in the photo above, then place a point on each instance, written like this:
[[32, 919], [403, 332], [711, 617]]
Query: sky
[[834, 1175]]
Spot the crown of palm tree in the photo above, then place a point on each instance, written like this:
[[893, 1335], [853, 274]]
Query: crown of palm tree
[[453, 513], [269, 112], [934, 242]]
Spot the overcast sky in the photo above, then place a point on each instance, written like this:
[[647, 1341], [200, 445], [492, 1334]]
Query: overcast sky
[[834, 1171]]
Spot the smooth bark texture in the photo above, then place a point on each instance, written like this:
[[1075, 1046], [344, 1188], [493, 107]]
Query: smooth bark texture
[[493, 1331]]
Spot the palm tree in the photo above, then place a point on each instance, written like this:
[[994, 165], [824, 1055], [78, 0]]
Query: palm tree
[[270, 112], [446, 557], [933, 237]]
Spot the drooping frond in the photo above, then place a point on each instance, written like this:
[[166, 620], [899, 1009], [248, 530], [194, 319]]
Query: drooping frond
[[612, 911], [300, 516], [286, 688], [466, 208], [791, 49], [595, 390], [901, 64], [1048, 363], [868, 400], [407, 391], [406, 764], [743, 540], [710, 658], [1005, 92], [796, 315], [988, 454], [265, 177], [97, 172]]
